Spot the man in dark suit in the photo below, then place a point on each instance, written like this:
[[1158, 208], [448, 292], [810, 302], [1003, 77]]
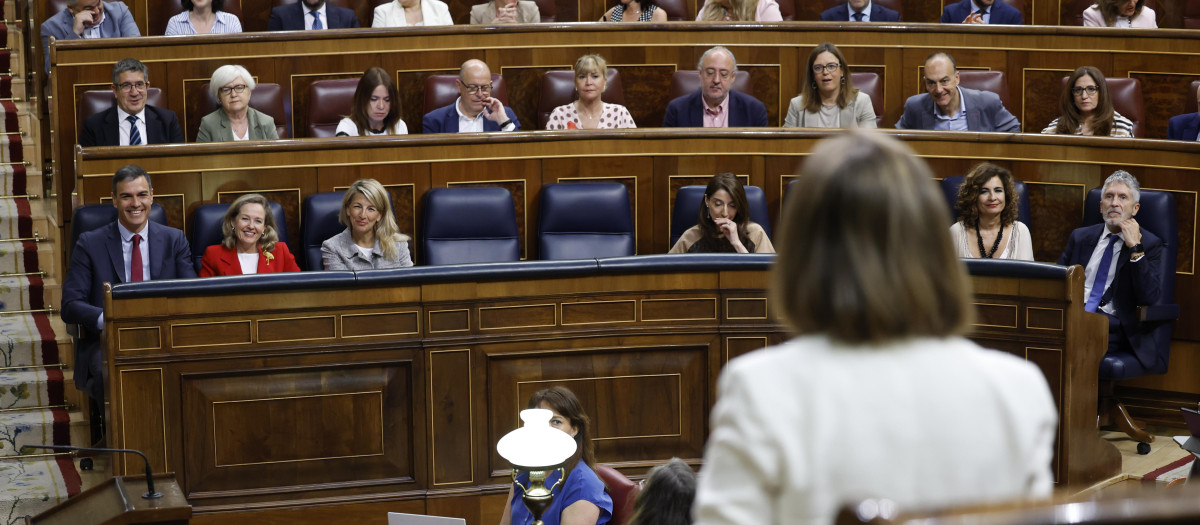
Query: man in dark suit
[[981, 12], [946, 106], [130, 122], [1121, 262], [88, 19], [128, 250], [475, 110], [310, 14], [1185, 126], [859, 11], [714, 105]]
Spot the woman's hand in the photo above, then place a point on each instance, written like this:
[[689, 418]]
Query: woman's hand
[[729, 229]]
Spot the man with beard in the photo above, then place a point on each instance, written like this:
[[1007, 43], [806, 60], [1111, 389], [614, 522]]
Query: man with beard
[[948, 107], [476, 110], [714, 105], [310, 14], [859, 11], [981, 12], [1121, 262], [88, 19]]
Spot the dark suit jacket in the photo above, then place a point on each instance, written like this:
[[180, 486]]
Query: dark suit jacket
[[841, 13], [445, 120], [101, 129], [1184, 127], [687, 111], [291, 17], [219, 260], [1136, 284], [96, 260], [985, 112], [1002, 13]]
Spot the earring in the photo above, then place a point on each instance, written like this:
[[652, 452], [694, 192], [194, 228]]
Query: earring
[[843, 80], [814, 85]]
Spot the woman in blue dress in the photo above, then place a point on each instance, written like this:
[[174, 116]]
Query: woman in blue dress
[[581, 499]]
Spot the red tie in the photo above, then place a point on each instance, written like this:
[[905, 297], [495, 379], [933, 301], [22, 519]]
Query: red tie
[[135, 260]]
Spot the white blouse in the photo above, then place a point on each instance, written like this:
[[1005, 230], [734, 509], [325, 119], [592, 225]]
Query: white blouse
[[1019, 246], [348, 127]]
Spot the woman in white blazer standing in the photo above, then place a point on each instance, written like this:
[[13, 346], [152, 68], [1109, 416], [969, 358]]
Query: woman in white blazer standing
[[412, 13]]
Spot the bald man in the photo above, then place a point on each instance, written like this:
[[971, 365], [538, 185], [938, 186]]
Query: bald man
[[475, 110], [1185, 126]]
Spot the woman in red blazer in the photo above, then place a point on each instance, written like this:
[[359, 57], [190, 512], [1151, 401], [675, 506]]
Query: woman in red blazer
[[251, 242]]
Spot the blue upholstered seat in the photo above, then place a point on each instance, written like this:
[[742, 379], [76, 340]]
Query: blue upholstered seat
[[320, 222], [469, 225], [91, 216], [206, 227], [585, 220], [950, 188], [688, 200]]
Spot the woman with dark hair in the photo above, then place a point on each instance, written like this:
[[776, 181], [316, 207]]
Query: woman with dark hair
[[202, 17], [1120, 13], [666, 496], [251, 243], [829, 98], [987, 226], [880, 395], [1087, 109], [635, 11], [724, 224], [581, 500], [376, 107]]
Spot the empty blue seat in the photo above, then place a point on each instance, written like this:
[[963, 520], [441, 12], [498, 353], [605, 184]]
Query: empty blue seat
[[689, 199], [585, 220], [469, 225], [320, 222], [207, 223]]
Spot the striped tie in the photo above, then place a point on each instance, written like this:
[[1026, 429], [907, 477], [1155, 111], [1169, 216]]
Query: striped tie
[[135, 136]]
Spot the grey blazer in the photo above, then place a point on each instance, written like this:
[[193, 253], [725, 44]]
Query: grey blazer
[[340, 253], [527, 13], [214, 127], [859, 113], [985, 112]]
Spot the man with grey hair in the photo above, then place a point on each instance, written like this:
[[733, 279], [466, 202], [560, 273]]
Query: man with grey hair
[[131, 122], [714, 105], [88, 19], [1122, 267], [476, 110]]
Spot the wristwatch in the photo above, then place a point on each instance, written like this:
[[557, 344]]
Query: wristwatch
[[1136, 252]]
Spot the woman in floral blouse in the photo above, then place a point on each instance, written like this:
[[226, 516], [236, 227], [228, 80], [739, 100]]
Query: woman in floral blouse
[[589, 111]]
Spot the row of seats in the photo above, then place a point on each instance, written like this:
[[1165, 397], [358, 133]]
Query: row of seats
[[331, 100], [677, 10]]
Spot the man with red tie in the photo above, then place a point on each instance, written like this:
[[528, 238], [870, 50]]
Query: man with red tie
[[131, 249]]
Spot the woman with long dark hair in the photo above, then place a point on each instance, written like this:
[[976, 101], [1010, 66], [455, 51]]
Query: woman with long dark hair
[[829, 98], [724, 224], [1087, 109], [987, 226], [376, 107]]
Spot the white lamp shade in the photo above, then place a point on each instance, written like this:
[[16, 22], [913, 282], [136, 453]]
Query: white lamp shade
[[536, 445]]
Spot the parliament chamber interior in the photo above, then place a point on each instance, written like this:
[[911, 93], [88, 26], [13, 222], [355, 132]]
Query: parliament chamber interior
[[341, 395]]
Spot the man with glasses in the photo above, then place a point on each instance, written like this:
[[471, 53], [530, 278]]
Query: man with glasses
[[131, 122], [714, 105], [88, 19], [475, 110], [949, 107]]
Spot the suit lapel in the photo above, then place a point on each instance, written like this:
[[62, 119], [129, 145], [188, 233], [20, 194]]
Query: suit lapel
[[973, 119], [152, 127], [229, 259], [111, 126], [157, 240], [115, 255]]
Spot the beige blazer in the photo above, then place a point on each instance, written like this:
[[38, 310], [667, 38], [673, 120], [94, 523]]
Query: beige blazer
[[214, 127], [859, 113], [485, 14]]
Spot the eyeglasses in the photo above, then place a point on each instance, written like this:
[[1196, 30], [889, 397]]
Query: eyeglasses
[[473, 89], [725, 74], [831, 67], [1090, 90], [127, 86], [239, 89]]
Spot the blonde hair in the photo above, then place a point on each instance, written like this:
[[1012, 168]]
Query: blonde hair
[[270, 234], [387, 233], [739, 10], [864, 255]]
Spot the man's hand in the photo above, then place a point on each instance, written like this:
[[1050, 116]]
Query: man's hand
[[973, 18], [496, 110], [1132, 232], [83, 20]]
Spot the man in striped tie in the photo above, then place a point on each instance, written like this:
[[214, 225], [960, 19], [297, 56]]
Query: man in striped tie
[[131, 122], [1121, 262]]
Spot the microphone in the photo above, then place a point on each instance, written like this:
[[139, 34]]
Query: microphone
[[150, 492]]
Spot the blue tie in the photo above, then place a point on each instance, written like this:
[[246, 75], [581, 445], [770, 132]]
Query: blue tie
[[135, 136], [857, 16], [1093, 301], [317, 20]]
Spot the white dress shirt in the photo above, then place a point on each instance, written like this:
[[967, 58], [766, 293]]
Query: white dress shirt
[[94, 31], [308, 18], [866, 13], [123, 125], [467, 124]]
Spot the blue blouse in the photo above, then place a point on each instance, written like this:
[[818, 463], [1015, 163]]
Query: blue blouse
[[582, 485]]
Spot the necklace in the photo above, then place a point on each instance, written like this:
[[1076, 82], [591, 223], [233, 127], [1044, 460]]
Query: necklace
[[582, 113], [984, 254]]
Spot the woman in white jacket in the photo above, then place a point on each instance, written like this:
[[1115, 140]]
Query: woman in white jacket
[[412, 13]]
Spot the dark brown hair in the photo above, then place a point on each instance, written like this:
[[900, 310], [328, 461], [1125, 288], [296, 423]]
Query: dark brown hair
[[967, 202], [1102, 116], [1108, 9], [847, 266], [712, 239], [370, 80], [666, 498], [812, 99], [562, 400]]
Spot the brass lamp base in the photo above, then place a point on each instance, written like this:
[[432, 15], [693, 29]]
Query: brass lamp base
[[537, 497]]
